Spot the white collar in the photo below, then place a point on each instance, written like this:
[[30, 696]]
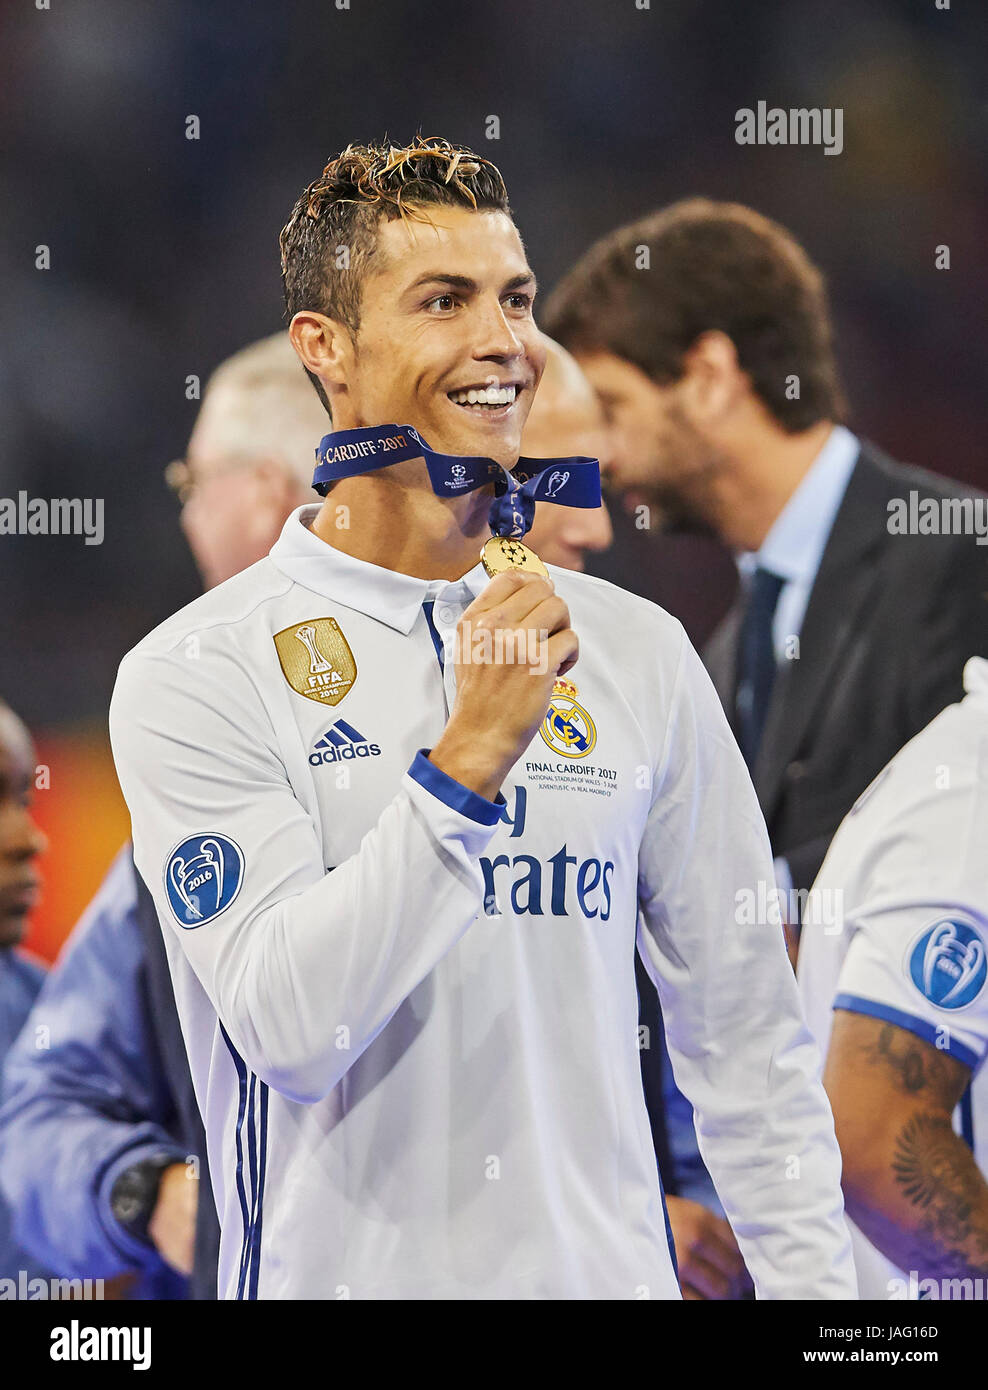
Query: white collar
[[384, 594]]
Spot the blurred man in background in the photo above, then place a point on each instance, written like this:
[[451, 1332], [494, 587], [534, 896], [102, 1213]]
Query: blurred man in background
[[21, 845], [250, 458], [706, 332], [566, 419], [100, 1136]]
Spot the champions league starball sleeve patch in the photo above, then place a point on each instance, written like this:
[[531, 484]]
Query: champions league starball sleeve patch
[[948, 964], [202, 878]]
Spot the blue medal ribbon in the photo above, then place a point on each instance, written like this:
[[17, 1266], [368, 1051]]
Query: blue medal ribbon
[[570, 482]]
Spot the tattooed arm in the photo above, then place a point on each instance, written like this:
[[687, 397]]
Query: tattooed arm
[[910, 1183]]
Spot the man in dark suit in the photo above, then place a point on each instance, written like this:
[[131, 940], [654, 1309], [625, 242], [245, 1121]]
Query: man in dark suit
[[890, 623], [706, 332]]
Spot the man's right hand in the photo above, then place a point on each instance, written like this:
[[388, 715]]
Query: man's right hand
[[512, 643]]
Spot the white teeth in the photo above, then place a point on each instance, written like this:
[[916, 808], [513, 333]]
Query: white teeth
[[489, 396]]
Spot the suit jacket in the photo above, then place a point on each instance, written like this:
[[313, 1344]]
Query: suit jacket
[[891, 620]]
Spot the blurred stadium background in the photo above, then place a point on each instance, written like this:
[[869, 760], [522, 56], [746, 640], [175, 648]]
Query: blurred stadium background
[[164, 257]]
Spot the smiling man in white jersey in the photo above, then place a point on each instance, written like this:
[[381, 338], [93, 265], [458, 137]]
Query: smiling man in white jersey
[[399, 888]]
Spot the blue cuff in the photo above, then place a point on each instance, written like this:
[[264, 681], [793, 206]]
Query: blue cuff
[[137, 1251], [454, 794], [854, 1004]]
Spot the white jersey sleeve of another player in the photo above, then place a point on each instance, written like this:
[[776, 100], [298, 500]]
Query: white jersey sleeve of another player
[[897, 925], [711, 938], [912, 863], [923, 971], [288, 960]]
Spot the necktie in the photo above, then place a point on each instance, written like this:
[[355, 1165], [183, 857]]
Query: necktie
[[756, 661]]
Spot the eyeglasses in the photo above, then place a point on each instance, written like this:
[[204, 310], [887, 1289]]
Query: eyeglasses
[[181, 478]]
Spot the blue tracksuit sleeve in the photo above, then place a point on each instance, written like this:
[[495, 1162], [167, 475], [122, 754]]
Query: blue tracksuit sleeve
[[84, 1095]]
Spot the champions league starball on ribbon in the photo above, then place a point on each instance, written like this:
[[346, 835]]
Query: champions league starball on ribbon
[[570, 482]]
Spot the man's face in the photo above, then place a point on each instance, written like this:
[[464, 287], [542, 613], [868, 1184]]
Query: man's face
[[658, 458], [237, 506], [573, 426], [21, 842], [446, 309]]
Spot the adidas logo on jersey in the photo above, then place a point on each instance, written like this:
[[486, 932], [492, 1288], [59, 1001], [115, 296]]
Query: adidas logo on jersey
[[341, 743]]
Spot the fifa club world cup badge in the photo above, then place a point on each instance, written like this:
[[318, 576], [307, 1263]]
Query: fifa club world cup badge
[[316, 660], [568, 728]]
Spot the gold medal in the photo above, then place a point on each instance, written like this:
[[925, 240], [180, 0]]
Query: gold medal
[[503, 553]]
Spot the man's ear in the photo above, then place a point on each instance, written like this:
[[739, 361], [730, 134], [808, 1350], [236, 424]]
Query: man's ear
[[713, 381], [323, 345]]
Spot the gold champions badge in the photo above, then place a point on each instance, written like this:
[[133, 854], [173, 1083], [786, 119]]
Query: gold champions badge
[[316, 660]]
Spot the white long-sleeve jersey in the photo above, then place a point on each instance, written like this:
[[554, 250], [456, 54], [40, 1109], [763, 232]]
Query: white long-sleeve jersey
[[410, 1012]]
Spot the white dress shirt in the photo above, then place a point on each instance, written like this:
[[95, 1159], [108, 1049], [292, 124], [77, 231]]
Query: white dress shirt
[[794, 546]]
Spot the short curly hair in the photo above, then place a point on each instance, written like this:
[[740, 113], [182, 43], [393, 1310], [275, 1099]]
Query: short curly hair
[[331, 236]]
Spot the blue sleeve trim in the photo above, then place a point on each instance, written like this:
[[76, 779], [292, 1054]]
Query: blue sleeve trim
[[854, 1004], [454, 794], [130, 1246]]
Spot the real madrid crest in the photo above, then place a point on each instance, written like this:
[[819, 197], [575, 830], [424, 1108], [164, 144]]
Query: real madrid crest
[[316, 660], [568, 728]]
